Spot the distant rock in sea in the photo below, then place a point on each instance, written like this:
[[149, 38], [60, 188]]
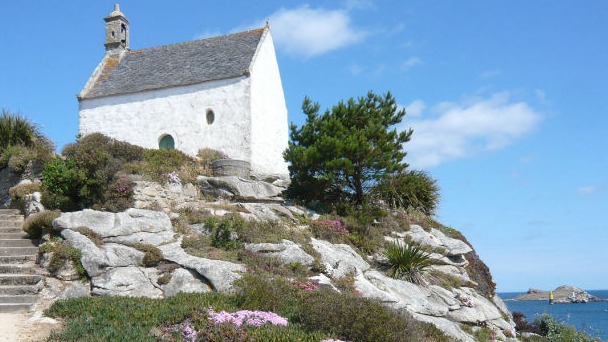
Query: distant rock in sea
[[563, 294]]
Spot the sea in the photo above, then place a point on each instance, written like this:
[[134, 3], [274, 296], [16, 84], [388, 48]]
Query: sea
[[592, 318]]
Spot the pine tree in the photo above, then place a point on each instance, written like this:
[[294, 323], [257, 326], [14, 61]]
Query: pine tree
[[339, 155]]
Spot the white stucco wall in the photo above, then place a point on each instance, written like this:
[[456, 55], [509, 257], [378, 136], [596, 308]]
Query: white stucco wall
[[269, 135], [143, 118]]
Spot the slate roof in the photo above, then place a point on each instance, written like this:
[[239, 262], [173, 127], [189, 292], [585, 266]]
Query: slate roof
[[176, 65]]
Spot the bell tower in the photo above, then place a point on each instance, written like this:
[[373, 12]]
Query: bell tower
[[117, 30]]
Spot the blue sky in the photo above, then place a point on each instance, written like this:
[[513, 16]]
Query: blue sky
[[507, 100]]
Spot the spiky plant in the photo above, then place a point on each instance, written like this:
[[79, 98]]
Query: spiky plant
[[16, 130], [407, 262]]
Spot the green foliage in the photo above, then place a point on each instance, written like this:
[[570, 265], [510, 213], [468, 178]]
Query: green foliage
[[19, 191], [64, 252], [37, 224], [360, 319], [62, 184], [224, 231], [409, 189], [555, 331], [407, 261], [16, 130], [338, 156], [152, 255], [157, 164]]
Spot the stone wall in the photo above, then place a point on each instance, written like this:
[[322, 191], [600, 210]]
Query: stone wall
[[168, 196]]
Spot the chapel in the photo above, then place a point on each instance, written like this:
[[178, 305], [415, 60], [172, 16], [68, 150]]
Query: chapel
[[223, 93]]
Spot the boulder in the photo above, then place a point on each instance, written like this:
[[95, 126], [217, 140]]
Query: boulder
[[76, 289], [339, 259], [239, 189], [474, 309], [448, 327], [184, 281], [286, 251], [453, 246], [219, 274], [128, 281], [32, 204], [128, 227], [96, 260], [402, 294]]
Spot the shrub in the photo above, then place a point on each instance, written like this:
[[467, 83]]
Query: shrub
[[407, 262], [16, 130], [559, 332], [152, 255], [409, 189], [19, 191], [64, 252], [91, 235], [118, 195], [329, 229], [359, 319], [37, 224], [224, 231], [62, 184]]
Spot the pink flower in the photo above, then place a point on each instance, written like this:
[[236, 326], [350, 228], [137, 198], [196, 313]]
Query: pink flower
[[246, 317]]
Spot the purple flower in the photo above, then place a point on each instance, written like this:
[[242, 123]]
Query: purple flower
[[246, 317]]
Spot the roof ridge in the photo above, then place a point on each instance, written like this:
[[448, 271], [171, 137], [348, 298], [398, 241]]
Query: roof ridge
[[193, 41]]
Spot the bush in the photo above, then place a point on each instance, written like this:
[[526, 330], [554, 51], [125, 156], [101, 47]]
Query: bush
[[37, 224], [359, 319], [224, 231], [19, 191], [62, 184], [409, 189], [555, 331], [407, 262], [16, 130], [64, 252], [152, 255], [91, 235]]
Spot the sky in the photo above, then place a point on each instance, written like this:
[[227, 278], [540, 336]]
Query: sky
[[508, 101]]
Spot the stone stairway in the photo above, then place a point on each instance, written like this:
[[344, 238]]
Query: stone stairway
[[19, 283]]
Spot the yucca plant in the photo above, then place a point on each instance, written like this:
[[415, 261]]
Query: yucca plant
[[412, 189], [17, 130], [407, 262]]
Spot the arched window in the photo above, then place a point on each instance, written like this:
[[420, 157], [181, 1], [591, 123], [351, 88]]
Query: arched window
[[166, 143], [210, 116]]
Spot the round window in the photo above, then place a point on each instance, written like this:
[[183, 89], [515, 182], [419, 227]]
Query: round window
[[210, 116]]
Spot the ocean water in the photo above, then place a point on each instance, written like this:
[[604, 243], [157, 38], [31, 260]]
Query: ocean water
[[591, 318]]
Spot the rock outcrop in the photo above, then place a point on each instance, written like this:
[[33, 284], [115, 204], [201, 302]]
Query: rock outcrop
[[116, 265], [561, 295]]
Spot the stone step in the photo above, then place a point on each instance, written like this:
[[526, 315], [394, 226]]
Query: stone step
[[17, 259], [21, 235], [16, 243], [18, 299], [19, 279], [15, 308], [24, 268], [11, 230], [10, 212], [18, 251], [11, 224], [12, 290]]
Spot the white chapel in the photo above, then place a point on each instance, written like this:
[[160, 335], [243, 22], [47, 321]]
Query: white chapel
[[223, 93]]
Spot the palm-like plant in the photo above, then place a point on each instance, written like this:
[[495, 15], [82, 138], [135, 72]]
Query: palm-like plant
[[407, 262], [16, 130]]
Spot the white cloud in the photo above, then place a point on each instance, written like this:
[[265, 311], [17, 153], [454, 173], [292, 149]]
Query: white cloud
[[310, 32], [410, 63], [415, 108], [461, 130], [587, 190]]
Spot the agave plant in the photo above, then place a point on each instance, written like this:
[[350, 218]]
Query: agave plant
[[407, 262]]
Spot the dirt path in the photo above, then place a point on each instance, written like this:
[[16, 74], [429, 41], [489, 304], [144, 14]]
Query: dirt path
[[28, 327]]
